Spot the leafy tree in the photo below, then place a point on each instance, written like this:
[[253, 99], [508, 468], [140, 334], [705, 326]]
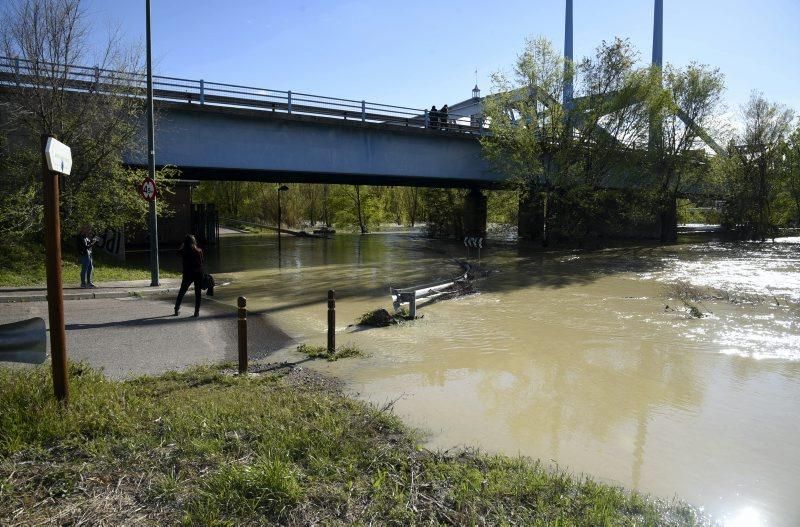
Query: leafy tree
[[445, 210], [791, 174], [564, 155], [609, 114], [527, 127], [684, 112], [753, 174], [99, 123], [409, 198]]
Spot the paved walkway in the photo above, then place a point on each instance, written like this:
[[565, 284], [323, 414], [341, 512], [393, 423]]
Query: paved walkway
[[103, 290], [132, 336]]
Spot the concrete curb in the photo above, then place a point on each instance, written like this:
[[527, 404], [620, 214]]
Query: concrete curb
[[83, 295]]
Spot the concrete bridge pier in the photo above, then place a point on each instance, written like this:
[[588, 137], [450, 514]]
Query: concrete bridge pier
[[474, 219]]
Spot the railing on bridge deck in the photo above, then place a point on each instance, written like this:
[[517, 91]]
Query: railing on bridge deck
[[25, 73]]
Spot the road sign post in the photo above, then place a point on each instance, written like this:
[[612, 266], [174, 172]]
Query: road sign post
[[56, 159]]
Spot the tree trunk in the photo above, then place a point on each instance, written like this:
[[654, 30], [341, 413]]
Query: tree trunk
[[325, 215], [358, 209], [413, 211], [761, 228], [545, 203], [668, 219]]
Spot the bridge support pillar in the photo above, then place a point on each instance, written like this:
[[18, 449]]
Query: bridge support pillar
[[474, 219], [668, 222]]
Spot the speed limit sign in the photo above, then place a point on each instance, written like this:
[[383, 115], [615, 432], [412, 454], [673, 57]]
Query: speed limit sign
[[148, 189]]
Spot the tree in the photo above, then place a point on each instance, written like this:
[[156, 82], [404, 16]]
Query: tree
[[444, 211], [356, 205], [410, 204], [753, 176], [524, 118], [684, 113], [609, 112], [566, 154], [791, 174], [526, 124], [98, 121]]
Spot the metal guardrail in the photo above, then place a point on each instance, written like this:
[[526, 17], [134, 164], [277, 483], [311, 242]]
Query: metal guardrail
[[25, 73]]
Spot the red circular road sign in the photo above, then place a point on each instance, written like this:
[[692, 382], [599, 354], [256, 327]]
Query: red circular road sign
[[148, 189]]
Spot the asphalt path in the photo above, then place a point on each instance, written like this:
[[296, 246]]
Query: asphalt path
[[133, 336]]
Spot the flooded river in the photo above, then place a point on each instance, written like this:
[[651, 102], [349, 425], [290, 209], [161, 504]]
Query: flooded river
[[585, 358]]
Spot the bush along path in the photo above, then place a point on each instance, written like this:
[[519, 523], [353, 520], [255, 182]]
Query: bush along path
[[205, 447]]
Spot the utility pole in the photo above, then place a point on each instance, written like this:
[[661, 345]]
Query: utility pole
[[151, 156]]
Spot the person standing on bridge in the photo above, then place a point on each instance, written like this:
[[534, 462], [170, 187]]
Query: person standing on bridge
[[192, 257], [443, 116], [433, 117]]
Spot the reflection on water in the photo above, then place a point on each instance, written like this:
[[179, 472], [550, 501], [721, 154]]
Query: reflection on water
[[571, 356]]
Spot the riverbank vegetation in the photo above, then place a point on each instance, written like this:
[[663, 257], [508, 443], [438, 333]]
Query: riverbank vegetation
[[208, 448], [98, 126], [23, 265], [571, 135], [321, 352]]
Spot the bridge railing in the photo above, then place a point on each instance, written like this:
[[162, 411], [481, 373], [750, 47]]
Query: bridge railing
[[26, 73]]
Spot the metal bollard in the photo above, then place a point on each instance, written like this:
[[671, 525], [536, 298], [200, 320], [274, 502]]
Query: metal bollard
[[331, 321], [242, 303]]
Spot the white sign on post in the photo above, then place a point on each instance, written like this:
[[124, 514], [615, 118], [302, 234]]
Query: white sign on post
[[59, 157]]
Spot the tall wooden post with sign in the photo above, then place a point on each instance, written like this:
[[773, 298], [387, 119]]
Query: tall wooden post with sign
[[56, 159]]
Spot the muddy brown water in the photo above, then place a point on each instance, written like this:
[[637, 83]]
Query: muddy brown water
[[585, 359]]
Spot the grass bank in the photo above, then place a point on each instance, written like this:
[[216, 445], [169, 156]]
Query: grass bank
[[208, 448], [23, 265]]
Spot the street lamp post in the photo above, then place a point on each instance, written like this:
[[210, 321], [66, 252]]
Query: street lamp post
[[282, 188], [151, 158]]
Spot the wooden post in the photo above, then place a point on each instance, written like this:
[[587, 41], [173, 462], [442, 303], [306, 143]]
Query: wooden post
[[242, 323], [331, 321], [55, 296]]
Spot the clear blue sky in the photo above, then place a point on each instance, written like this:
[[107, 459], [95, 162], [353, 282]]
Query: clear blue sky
[[418, 53]]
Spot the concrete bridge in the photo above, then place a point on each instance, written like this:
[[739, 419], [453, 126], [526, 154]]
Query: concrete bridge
[[219, 131], [212, 142]]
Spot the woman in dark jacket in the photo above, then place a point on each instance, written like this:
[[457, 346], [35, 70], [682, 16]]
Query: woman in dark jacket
[[192, 272]]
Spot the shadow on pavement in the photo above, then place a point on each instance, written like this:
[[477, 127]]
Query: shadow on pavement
[[150, 321]]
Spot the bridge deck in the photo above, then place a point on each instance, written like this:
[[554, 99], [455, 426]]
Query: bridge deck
[[18, 72]]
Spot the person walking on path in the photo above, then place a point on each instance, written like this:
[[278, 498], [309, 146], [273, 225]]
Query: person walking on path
[[85, 242], [192, 257], [443, 116]]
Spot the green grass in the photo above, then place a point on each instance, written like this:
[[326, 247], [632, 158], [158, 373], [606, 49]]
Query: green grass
[[206, 448], [321, 352], [24, 266]]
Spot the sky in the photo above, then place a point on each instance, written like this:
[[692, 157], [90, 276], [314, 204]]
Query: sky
[[418, 53]]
